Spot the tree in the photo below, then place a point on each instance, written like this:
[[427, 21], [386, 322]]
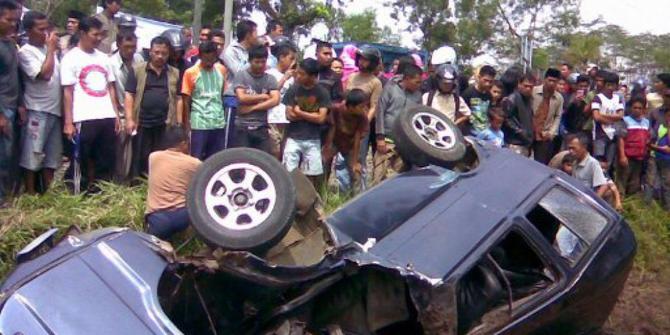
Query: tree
[[583, 49], [469, 34], [537, 21], [361, 27]]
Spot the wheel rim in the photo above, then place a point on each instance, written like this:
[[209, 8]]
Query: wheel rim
[[434, 131], [240, 196]]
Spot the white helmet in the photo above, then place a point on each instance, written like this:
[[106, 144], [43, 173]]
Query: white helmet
[[443, 55]]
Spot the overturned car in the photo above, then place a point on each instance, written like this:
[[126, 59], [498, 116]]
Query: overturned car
[[474, 240]]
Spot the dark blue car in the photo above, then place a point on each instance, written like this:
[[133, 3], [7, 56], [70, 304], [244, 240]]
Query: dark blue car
[[495, 244]]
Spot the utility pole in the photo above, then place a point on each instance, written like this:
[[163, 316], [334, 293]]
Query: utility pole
[[197, 21], [228, 21]]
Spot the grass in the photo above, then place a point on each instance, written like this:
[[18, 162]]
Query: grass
[[123, 206], [651, 225]]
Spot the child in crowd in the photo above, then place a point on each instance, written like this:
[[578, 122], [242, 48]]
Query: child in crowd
[[661, 151], [493, 134], [612, 194], [567, 163], [350, 126], [633, 149], [307, 108], [497, 93]]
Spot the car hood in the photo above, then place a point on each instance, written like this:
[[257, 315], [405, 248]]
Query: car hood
[[108, 275]]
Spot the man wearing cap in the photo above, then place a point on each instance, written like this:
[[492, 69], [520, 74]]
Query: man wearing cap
[[547, 105]]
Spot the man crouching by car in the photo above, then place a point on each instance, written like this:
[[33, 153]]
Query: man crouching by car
[[170, 172]]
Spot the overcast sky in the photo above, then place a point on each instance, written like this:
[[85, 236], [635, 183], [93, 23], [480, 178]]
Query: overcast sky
[[636, 16]]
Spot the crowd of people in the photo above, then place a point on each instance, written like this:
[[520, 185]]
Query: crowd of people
[[118, 113]]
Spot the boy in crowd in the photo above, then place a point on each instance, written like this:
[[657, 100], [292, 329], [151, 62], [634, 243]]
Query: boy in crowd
[[170, 173], [202, 93], [497, 90], [257, 92], [90, 103], [478, 98], [306, 107], [445, 98], [608, 110], [350, 126], [399, 94], [493, 134], [283, 73], [634, 151], [661, 152], [568, 163], [41, 144]]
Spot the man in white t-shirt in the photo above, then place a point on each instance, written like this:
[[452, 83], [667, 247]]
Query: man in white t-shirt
[[608, 112], [90, 103], [285, 54], [41, 144]]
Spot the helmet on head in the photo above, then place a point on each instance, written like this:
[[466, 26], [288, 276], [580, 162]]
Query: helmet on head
[[175, 37], [372, 54], [446, 73], [572, 78], [127, 21], [443, 55]]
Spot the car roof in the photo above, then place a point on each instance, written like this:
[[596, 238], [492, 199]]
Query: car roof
[[431, 231]]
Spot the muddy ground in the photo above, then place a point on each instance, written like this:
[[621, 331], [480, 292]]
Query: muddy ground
[[643, 307]]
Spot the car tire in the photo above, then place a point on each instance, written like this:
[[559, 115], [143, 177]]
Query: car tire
[[241, 199], [425, 136]]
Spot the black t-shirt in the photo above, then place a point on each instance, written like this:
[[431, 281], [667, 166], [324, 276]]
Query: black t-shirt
[[156, 99], [10, 89], [332, 83], [309, 100]]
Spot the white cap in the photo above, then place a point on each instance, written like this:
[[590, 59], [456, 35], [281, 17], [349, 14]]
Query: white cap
[[443, 55]]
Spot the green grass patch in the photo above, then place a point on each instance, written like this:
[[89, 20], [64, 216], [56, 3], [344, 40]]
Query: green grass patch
[[122, 206], [651, 225]]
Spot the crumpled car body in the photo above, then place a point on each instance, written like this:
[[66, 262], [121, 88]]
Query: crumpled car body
[[509, 247]]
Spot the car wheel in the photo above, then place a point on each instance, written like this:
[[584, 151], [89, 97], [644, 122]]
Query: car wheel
[[241, 199], [426, 136]]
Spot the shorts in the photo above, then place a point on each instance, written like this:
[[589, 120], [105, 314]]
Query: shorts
[[604, 149], [307, 151], [41, 142]]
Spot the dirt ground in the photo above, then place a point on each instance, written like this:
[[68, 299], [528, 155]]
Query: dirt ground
[[643, 307]]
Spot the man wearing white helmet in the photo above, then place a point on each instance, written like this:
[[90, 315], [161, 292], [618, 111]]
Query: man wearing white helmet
[[442, 55], [446, 98]]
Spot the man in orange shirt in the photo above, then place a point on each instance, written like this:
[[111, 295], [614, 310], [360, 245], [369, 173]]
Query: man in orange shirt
[[202, 89]]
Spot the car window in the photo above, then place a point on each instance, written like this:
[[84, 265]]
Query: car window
[[510, 274], [568, 223]]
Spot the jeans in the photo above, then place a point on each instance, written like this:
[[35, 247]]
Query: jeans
[[9, 173], [344, 175], [341, 172], [163, 224]]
